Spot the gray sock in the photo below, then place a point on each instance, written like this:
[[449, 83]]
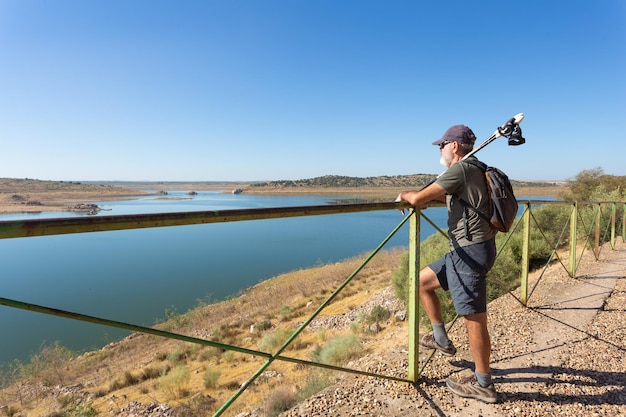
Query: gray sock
[[484, 380], [440, 335]]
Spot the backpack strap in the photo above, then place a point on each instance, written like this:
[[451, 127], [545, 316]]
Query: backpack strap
[[483, 167]]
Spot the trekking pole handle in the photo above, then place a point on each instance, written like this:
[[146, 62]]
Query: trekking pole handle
[[508, 127]]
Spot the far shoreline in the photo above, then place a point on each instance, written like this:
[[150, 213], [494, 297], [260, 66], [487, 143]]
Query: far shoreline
[[34, 196]]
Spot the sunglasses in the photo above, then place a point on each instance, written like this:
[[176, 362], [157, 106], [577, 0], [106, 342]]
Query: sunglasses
[[443, 145]]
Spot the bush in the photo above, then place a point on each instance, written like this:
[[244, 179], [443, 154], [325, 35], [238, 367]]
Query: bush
[[339, 350], [151, 373], [431, 249], [210, 377], [177, 356], [595, 185], [585, 186], [378, 314], [272, 341], [281, 399], [504, 275], [130, 379], [174, 384], [315, 381], [285, 312], [47, 366], [400, 279]]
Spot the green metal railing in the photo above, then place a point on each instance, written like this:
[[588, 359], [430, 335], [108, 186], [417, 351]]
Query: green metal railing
[[88, 224]]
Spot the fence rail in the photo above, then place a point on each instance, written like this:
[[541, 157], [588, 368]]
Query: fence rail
[[603, 223]]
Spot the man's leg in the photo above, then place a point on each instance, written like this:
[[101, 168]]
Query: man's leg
[[430, 301], [479, 341], [428, 284], [478, 386]]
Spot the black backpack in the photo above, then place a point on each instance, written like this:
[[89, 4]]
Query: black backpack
[[503, 204]]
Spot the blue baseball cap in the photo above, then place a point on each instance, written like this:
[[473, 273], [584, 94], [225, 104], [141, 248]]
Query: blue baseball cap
[[457, 133]]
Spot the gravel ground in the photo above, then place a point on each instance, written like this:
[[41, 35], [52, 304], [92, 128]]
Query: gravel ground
[[562, 356]]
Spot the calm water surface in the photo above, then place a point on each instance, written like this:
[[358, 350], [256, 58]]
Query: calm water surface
[[136, 275]]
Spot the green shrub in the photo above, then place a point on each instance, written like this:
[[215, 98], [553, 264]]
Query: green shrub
[[174, 384], [400, 279], [228, 356], [315, 381], [504, 275], [378, 314], [339, 350], [590, 182], [174, 319], [431, 249], [210, 377], [47, 366], [285, 312], [595, 185], [272, 341], [176, 356]]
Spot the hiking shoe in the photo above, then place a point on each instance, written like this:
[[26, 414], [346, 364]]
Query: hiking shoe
[[468, 387], [428, 341]]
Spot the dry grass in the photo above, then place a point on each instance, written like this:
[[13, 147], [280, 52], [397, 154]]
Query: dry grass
[[146, 368]]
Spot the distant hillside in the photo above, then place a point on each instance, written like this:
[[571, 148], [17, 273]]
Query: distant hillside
[[339, 181], [396, 181], [29, 185]]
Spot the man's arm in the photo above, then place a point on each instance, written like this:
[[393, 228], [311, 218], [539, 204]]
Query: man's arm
[[416, 198]]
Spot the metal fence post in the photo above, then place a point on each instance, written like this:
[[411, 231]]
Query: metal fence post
[[624, 223], [525, 255], [596, 245], [573, 232], [413, 313], [613, 211]]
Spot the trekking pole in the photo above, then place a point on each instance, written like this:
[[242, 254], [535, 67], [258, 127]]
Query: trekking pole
[[509, 130]]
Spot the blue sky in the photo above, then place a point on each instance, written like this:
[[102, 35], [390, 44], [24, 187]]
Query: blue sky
[[247, 90]]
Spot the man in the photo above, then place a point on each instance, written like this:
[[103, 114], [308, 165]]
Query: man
[[463, 270]]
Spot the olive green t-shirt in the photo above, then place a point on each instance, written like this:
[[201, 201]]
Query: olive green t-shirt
[[468, 182]]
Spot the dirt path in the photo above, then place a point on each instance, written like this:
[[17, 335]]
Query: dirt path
[[564, 355]]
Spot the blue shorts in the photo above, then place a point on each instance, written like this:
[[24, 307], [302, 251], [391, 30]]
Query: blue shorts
[[463, 272]]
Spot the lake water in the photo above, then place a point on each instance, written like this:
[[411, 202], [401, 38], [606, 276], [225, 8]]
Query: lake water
[[135, 275]]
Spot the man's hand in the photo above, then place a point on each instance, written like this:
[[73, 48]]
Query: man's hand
[[399, 199], [418, 198]]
